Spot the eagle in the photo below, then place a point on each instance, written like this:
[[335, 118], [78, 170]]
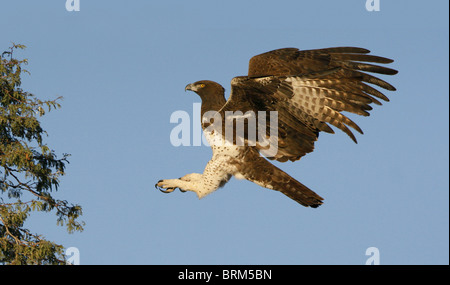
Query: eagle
[[307, 91]]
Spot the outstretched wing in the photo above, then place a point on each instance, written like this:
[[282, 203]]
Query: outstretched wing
[[309, 89]]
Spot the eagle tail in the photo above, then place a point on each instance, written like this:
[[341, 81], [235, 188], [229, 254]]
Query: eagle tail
[[300, 193], [267, 175]]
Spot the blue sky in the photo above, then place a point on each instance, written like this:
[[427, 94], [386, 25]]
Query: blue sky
[[122, 66]]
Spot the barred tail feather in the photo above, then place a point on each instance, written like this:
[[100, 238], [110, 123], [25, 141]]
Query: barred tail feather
[[269, 176]]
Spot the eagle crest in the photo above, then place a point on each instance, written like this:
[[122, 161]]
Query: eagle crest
[[308, 90]]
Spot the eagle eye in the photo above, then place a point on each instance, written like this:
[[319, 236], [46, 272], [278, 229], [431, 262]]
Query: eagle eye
[[202, 85]]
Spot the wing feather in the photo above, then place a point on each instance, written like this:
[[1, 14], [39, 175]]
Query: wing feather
[[310, 89]]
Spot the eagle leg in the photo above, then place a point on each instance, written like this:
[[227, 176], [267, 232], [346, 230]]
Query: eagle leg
[[200, 184]]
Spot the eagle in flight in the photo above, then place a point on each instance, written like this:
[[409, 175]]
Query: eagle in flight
[[308, 89]]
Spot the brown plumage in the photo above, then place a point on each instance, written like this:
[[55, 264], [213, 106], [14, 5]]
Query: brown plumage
[[309, 90]]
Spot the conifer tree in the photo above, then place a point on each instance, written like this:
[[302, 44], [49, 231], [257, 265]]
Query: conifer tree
[[30, 171]]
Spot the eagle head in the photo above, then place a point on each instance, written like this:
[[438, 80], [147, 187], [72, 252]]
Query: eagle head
[[206, 88], [211, 93]]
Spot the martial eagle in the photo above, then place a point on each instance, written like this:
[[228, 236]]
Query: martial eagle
[[309, 90]]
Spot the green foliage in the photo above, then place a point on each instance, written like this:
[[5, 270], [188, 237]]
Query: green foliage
[[29, 171]]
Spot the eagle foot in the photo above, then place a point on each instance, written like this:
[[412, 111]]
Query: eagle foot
[[162, 186]]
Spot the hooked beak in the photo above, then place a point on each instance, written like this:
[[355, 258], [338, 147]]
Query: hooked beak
[[188, 87]]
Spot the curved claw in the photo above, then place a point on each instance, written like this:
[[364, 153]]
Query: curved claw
[[167, 190]]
